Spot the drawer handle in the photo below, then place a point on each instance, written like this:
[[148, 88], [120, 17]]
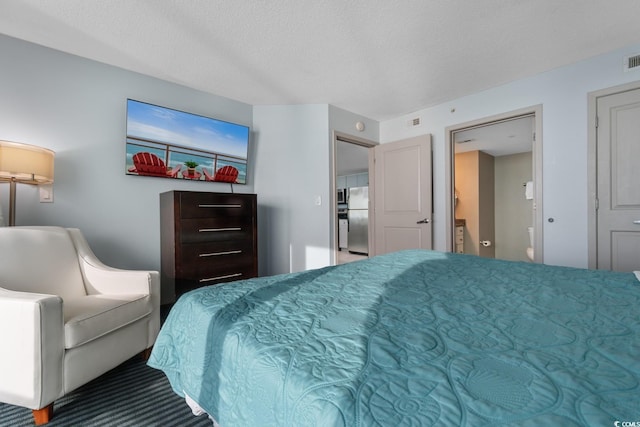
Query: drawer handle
[[219, 206], [209, 230], [220, 253], [228, 276]]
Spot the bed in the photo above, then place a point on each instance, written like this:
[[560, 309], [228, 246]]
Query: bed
[[412, 338]]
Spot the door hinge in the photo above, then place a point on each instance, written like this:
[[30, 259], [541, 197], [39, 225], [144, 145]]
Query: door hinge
[[534, 136], [597, 122], [597, 204]]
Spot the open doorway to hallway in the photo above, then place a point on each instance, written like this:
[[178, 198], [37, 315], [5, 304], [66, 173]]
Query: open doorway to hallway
[[351, 166]]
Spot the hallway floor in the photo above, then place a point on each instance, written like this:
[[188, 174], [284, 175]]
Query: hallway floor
[[345, 256]]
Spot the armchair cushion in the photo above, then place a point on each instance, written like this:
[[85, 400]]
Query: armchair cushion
[[90, 317]]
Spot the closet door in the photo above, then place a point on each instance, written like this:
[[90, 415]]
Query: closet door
[[618, 181]]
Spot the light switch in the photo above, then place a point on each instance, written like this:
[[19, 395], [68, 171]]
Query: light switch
[[46, 193], [318, 200]]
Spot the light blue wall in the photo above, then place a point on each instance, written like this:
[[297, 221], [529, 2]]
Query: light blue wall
[[293, 151], [563, 93], [345, 121], [77, 108]]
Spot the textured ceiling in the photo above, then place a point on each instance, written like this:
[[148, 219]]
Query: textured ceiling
[[378, 58]]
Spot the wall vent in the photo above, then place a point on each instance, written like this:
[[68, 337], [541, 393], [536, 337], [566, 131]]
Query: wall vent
[[632, 62], [414, 122]]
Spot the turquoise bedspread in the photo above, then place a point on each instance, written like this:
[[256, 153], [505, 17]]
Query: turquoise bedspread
[[413, 338]]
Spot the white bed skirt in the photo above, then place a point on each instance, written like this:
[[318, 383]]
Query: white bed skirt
[[197, 410]]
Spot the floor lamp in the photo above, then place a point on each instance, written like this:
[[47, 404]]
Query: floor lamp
[[26, 164]]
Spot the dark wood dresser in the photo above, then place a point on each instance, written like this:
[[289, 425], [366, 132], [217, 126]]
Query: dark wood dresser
[[207, 238]]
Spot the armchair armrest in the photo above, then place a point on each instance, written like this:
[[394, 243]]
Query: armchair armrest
[[103, 279], [32, 337]]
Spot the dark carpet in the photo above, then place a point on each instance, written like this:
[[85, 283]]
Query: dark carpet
[[132, 394]]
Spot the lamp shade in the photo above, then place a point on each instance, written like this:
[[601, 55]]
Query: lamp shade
[[25, 163]]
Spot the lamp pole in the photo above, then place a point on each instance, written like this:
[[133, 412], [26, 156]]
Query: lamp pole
[[12, 202]]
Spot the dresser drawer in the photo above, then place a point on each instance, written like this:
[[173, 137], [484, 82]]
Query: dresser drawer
[[191, 281], [193, 253], [211, 205], [198, 259], [211, 269], [215, 230]]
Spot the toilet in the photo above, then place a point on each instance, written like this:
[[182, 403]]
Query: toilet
[[530, 248]]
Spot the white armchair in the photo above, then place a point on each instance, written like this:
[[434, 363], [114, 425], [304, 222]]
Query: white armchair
[[66, 318]]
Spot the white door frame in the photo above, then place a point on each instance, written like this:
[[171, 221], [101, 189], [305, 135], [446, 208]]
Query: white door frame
[[536, 112], [592, 158], [345, 137]]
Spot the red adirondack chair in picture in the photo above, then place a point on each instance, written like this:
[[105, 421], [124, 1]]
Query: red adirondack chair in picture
[[148, 164], [224, 174]]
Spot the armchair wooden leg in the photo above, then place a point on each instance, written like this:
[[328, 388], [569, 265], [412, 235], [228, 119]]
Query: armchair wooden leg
[[146, 354], [43, 416]]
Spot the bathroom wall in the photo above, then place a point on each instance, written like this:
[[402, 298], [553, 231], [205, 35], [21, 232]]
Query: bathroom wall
[[513, 213], [474, 176]]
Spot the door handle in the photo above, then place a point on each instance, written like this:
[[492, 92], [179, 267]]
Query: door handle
[[424, 221], [637, 221]]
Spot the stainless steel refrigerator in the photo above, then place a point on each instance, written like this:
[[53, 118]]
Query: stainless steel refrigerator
[[358, 203]]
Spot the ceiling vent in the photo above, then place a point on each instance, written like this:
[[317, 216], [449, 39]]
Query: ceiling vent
[[632, 62], [414, 122]]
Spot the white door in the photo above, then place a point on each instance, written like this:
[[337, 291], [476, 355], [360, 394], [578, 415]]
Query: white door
[[402, 198], [618, 181]]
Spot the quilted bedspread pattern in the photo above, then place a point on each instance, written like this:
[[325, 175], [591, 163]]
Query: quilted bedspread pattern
[[412, 338]]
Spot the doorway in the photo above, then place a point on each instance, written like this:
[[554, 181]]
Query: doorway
[[350, 232], [495, 186]]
